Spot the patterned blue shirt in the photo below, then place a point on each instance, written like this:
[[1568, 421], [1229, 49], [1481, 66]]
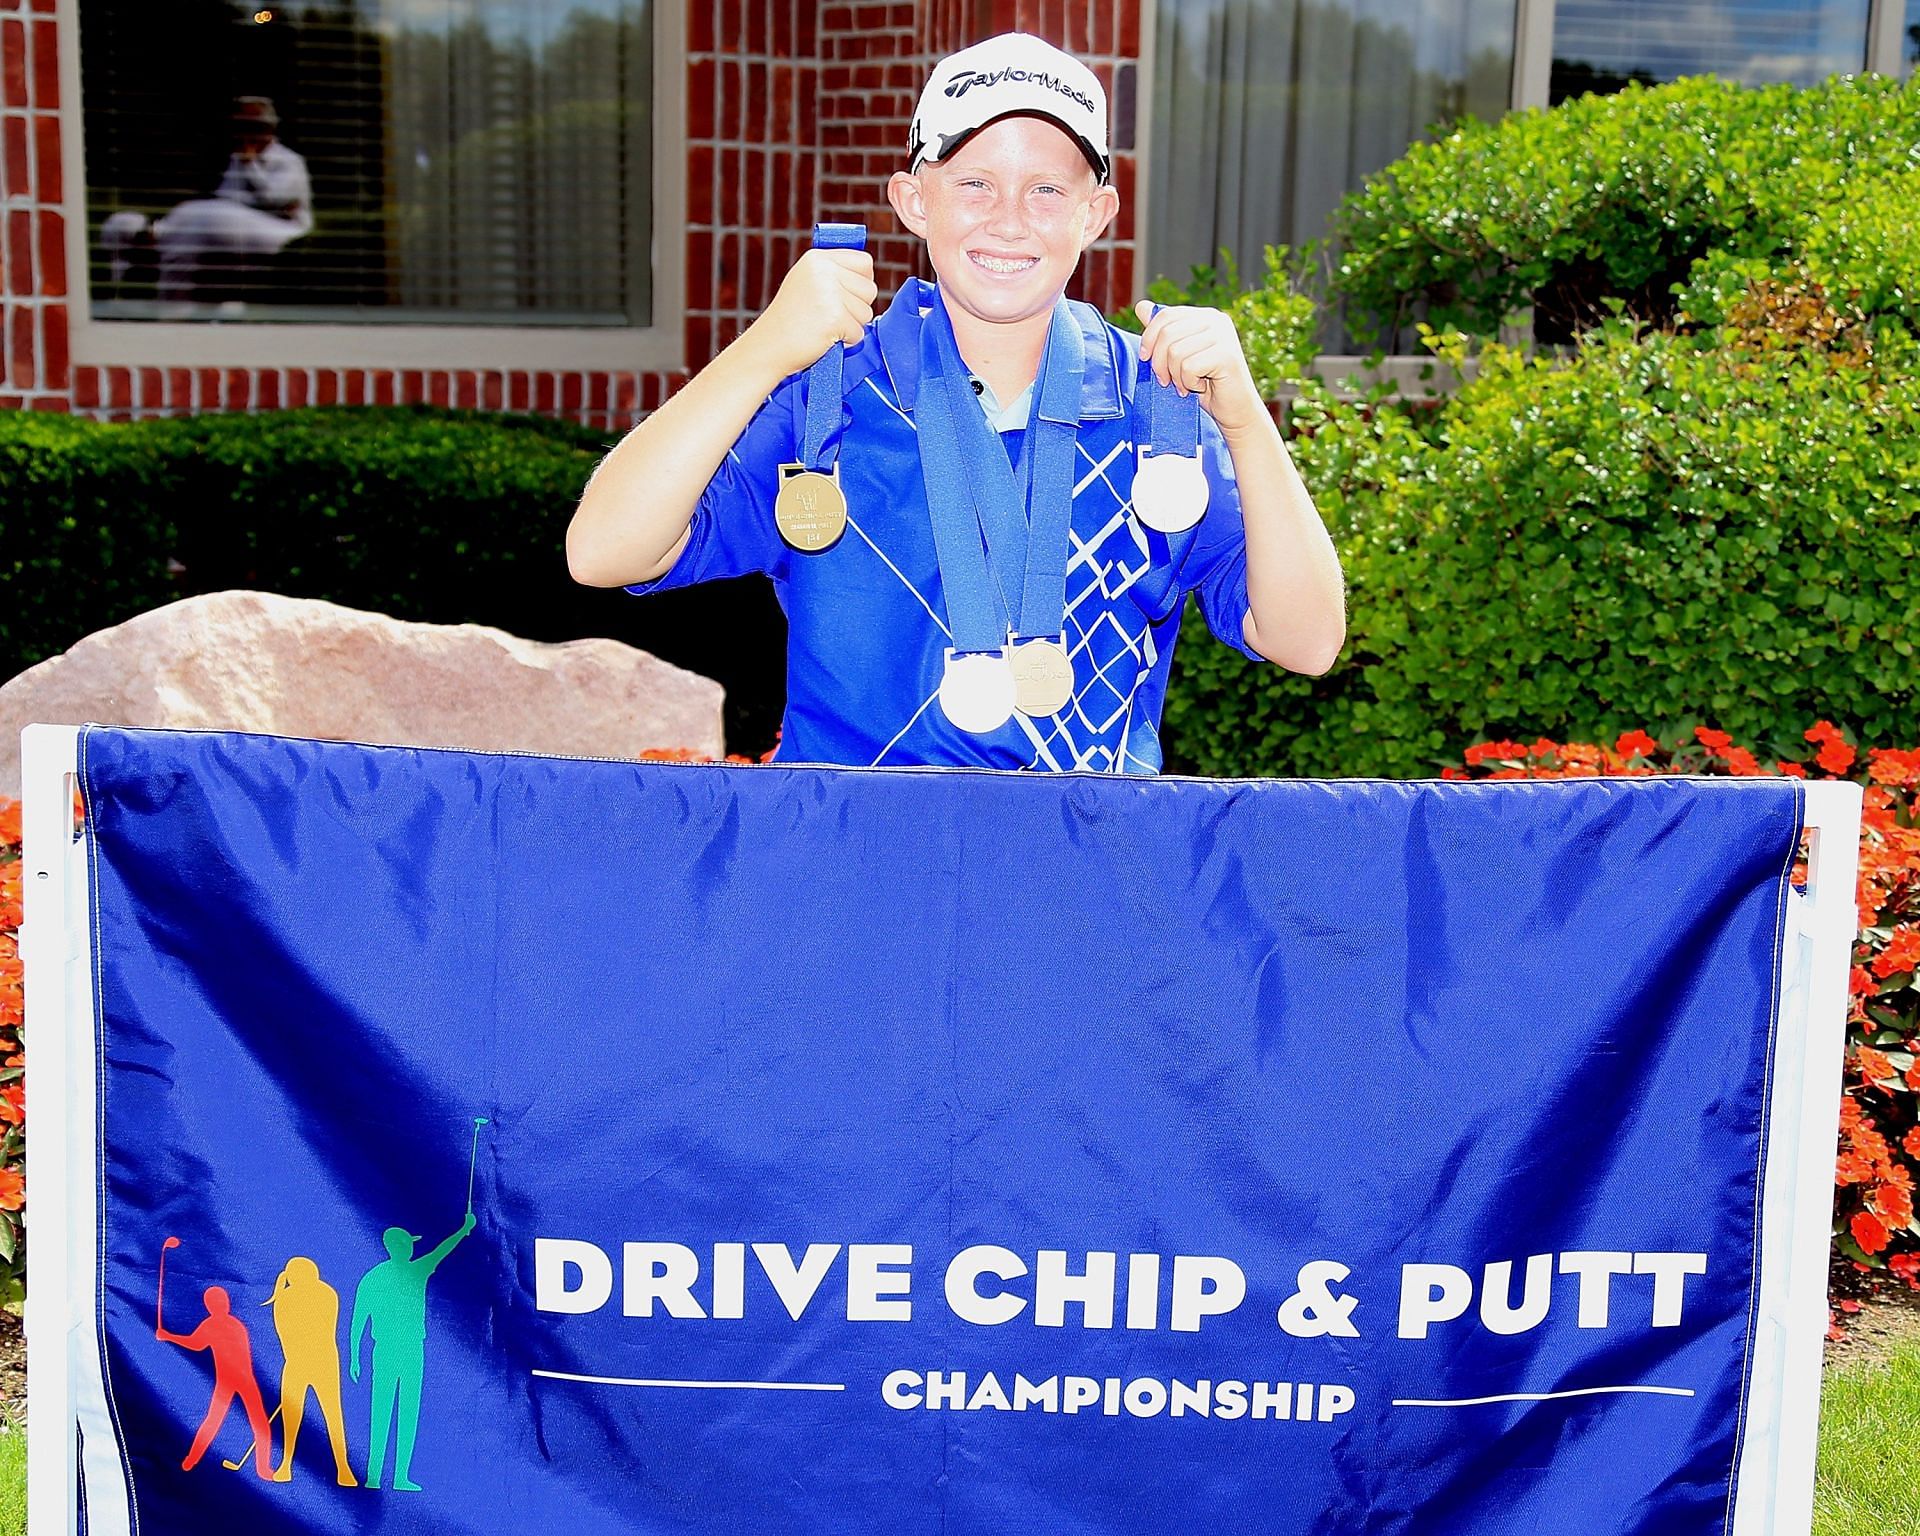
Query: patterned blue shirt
[[867, 621]]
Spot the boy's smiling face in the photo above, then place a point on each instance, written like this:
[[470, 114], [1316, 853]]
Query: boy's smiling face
[[1006, 216]]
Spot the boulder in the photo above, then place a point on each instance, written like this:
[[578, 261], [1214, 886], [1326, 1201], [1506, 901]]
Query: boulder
[[254, 661]]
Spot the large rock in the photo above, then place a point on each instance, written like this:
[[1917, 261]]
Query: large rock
[[253, 661]]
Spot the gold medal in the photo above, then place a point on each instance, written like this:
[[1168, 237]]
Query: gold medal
[[810, 509], [1042, 678]]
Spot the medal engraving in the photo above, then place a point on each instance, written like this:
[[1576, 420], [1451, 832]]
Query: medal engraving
[[1042, 678], [977, 691], [1170, 491], [810, 509]]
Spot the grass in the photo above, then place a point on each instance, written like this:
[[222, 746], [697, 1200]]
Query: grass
[[13, 1476], [1869, 1424]]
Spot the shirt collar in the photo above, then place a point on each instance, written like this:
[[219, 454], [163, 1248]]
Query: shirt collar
[[899, 333]]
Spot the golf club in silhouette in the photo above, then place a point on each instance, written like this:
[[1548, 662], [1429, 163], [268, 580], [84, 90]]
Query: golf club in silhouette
[[224, 1336]]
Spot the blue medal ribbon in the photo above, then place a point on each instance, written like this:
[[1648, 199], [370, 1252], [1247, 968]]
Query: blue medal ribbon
[[1173, 423], [825, 396], [976, 613], [1025, 513]]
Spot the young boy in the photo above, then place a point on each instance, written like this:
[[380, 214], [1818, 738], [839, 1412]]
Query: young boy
[[928, 623]]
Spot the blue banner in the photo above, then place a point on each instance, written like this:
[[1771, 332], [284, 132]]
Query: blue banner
[[610, 1148]]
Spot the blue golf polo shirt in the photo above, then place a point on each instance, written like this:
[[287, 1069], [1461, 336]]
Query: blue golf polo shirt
[[867, 627]]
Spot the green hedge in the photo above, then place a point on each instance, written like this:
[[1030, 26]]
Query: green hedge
[[1647, 198], [1702, 512], [434, 515]]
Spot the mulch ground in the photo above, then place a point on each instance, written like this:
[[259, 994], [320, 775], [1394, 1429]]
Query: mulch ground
[[1887, 1318], [13, 1366]]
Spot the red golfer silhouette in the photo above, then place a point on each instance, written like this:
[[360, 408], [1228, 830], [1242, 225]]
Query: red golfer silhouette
[[226, 1336]]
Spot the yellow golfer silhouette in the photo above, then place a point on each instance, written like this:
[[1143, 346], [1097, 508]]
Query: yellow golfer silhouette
[[306, 1315]]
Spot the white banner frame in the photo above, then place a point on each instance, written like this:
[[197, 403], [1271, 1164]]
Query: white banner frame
[[1778, 1439]]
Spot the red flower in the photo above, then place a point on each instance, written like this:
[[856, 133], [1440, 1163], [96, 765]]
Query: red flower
[[1911, 1144], [1836, 757], [13, 1103], [13, 1189], [1823, 730], [1741, 764], [1894, 1206], [1901, 954], [1635, 743], [1712, 740], [1907, 1267], [1869, 1232], [1792, 770], [1874, 1067], [1544, 748], [1861, 983]]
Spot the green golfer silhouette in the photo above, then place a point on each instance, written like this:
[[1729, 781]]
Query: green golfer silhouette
[[392, 1296]]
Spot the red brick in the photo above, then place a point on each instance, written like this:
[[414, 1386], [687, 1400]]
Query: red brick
[[626, 394], [439, 388], [46, 65], [385, 387], [806, 40], [207, 381], [545, 392], [149, 389], [572, 393], [783, 29], [699, 340], [326, 387], [726, 292], [86, 389], [759, 86], [466, 391], [179, 396], [653, 390], [13, 63], [118, 394], [699, 28], [598, 393], [411, 386], [731, 93], [519, 391], [20, 252], [268, 392], [730, 189], [13, 402], [1129, 44], [354, 386], [699, 269], [700, 184], [45, 5], [236, 392], [493, 392], [701, 88], [20, 346], [729, 31], [53, 255], [46, 158], [760, 25], [18, 164]]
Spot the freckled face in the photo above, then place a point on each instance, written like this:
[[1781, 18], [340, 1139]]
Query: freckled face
[[1006, 216]]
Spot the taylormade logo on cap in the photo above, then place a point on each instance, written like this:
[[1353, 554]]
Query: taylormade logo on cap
[[965, 83], [1004, 76]]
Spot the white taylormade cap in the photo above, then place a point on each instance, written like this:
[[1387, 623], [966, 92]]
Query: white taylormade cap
[[1014, 72]]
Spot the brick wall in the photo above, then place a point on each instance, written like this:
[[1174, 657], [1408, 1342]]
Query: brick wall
[[795, 111]]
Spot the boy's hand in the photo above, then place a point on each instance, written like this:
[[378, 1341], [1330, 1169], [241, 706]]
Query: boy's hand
[[1198, 352], [827, 297]]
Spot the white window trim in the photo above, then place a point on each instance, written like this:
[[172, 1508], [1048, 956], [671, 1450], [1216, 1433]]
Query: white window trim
[[658, 347], [1886, 37]]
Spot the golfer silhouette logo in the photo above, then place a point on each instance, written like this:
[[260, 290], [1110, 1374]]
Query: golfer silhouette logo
[[391, 1301], [392, 1298], [306, 1315], [224, 1336]]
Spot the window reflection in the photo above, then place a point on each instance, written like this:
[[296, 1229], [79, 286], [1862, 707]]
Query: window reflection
[[413, 160], [1267, 112], [1601, 45]]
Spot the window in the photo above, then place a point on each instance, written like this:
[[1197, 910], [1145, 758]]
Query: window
[[1267, 112], [1600, 45], [471, 163]]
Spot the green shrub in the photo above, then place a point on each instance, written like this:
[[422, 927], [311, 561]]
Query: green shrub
[[442, 516], [1701, 511], [1652, 533], [1620, 197]]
